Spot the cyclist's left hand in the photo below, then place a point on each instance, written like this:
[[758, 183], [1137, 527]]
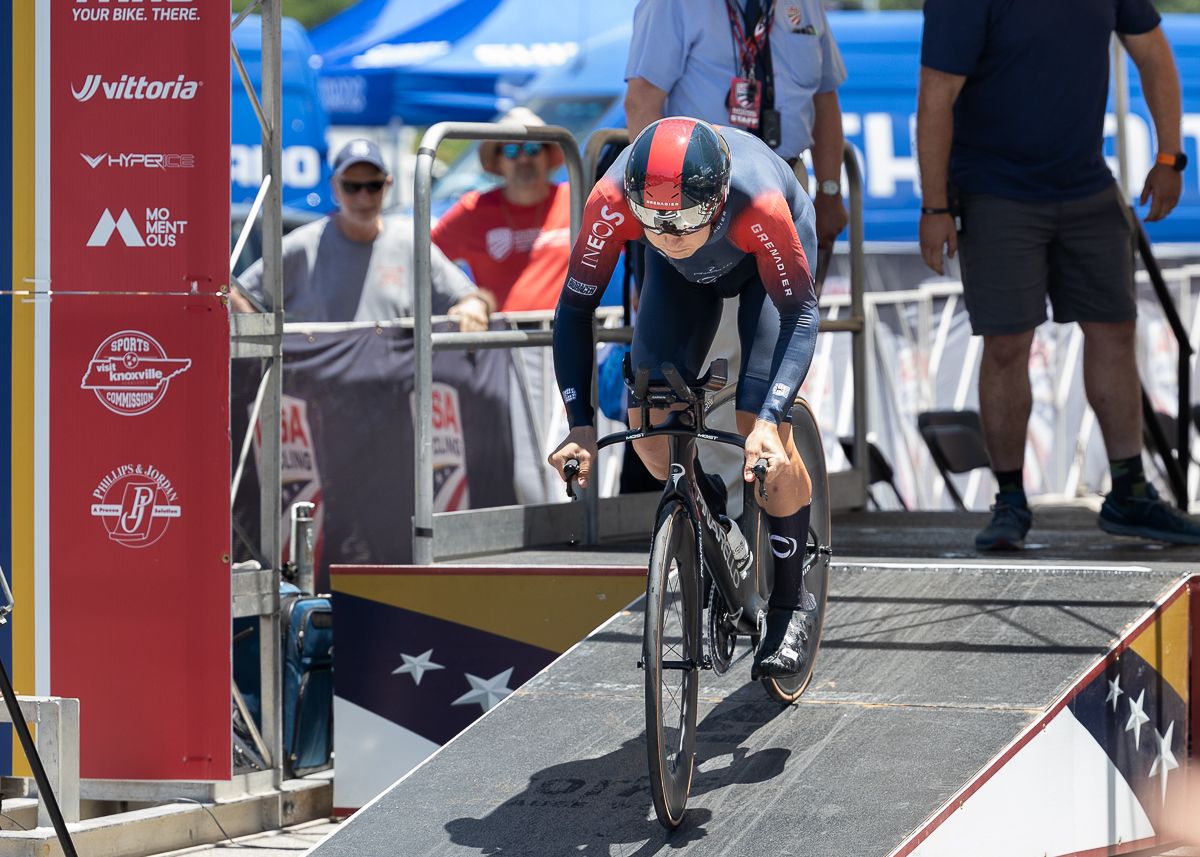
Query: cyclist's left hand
[[831, 218], [764, 442], [472, 314]]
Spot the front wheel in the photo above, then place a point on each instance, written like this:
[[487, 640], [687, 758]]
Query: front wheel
[[671, 657], [818, 551]]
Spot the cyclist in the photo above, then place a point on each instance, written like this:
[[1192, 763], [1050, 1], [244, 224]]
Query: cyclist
[[725, 217]]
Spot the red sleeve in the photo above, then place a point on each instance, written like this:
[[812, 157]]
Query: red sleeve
[[607, 225], [451, 231], [765, 229]]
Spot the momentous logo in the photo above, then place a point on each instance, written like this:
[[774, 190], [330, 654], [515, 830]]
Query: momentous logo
[[130, 373], [136, 87], [136, 503], [161, 230]]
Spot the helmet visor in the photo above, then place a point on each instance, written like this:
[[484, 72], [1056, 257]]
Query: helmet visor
[[675, 222]]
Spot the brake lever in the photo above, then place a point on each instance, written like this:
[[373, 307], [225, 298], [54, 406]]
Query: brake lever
[[571, 470], [760, 473]]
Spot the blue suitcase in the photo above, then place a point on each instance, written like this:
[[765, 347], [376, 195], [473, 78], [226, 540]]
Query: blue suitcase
[[307, 626]]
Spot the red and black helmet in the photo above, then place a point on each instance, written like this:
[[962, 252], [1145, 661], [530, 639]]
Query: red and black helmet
[[677, 176]]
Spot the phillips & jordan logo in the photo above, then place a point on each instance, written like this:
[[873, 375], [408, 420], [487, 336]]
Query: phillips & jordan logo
[[136, 503], [130, 373]]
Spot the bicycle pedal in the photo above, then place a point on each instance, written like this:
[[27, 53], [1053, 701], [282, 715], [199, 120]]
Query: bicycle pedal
[[706, 663], [641, 665]]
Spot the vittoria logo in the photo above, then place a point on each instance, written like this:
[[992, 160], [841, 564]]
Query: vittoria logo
[[136, 87], [130, 373], [136, 503]]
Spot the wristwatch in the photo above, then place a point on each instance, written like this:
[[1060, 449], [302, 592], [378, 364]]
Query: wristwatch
[[1177, 161], [832, 187]]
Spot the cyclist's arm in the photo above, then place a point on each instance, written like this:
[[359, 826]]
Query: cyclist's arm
[[766, 230], [607, 225]]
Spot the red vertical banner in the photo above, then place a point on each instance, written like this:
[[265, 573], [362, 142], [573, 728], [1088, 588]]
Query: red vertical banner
[[139, 369]]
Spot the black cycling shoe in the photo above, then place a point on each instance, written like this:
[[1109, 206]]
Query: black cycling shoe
[[784, 648]]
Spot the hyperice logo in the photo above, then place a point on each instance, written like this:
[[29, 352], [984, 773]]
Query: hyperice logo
[[136, 503], [136, 87], [149, 160], [160, 229]]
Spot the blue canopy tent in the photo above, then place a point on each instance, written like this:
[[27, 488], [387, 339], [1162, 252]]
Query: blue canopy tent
[[453, 60], [305, 169]]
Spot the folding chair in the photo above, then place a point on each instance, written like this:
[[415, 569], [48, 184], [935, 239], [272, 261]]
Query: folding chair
[[955, 441], [878, 470]]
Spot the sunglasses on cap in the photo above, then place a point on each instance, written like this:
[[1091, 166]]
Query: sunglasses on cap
[[679, 222], [512, 151], [350, 188]]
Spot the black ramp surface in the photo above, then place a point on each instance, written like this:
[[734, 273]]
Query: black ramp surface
[[925, 674]]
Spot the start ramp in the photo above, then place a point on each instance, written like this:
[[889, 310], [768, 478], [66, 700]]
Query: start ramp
[[955, 710]]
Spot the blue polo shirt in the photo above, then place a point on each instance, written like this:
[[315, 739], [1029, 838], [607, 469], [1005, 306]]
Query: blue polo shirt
[[1029, 122], [686, 49]]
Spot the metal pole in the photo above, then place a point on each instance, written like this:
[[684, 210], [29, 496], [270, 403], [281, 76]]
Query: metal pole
[[302, 545], [270, 496], [858, 278], [423, 297], [1121, 103]]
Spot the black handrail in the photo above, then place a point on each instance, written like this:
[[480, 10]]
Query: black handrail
[[1176, 465]]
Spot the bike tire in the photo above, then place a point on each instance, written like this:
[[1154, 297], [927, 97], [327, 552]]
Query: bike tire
[[807, 436], [672, 636]]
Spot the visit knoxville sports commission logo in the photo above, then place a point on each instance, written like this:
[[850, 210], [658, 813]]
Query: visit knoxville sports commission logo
[[136, 503], [130, 372]]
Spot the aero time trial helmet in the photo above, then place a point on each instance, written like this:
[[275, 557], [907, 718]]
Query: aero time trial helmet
[[677, 175]]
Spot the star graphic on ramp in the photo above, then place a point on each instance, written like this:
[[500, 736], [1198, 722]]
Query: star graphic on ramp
[[1137, 718], [1114, 690], [487, 693], [1165, 761], [417, 666]]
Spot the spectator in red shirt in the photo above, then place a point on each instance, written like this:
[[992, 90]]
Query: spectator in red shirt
[[515, 239]]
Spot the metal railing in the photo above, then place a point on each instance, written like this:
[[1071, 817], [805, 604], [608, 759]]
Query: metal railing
[[514, 527], [425, 340]]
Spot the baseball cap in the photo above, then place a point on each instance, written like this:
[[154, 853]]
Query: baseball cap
[[359, 151]]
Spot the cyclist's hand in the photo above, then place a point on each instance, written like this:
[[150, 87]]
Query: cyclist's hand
[[938, 236], [580, 444], [764, 442]]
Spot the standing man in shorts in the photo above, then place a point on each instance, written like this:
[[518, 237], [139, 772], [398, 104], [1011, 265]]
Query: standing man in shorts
[[1010, 124]]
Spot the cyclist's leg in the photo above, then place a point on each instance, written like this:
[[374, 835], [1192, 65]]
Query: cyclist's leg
[[788, 508], [676, 322]]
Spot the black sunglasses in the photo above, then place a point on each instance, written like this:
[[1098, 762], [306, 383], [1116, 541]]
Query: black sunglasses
[[512, 151], [350, 188]]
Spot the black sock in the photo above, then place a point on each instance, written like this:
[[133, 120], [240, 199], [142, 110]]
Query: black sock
[[1128, 477], [1011, 486], [789, 537]]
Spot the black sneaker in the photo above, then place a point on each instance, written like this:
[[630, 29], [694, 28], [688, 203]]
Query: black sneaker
[[1007, 529], [1149, 518], [784, 648]]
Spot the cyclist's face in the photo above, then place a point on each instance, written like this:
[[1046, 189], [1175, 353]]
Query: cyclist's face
[[679, 246]]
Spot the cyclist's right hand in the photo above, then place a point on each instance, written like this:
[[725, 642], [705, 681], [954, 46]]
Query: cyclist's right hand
[[580, 444]]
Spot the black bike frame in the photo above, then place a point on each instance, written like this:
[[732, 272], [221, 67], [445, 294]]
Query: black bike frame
[[743, 595]]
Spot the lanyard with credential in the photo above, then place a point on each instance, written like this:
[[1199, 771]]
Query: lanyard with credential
[[748, 47]]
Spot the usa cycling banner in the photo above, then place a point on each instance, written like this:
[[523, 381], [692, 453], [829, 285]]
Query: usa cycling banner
[[138, 550], [348, 440]]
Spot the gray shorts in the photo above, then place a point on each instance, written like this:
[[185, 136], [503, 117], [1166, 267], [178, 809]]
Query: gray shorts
[[1015, 254]]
